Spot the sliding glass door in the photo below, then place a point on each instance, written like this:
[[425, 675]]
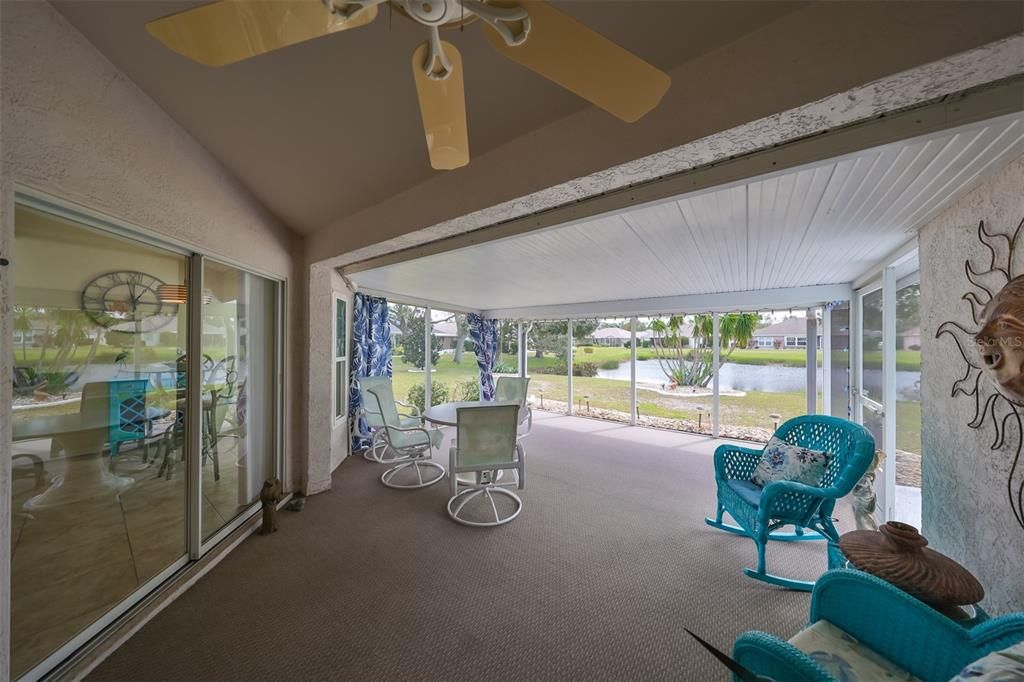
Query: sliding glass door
[[136, 436]]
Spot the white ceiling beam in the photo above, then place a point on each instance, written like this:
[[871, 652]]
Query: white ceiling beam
[[985, 103], [413, 300], [733, 301]]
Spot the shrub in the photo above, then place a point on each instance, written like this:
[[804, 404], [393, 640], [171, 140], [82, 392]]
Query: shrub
[[588, 349], [610, 364], [467, 390], [469, 346], [438, 394], [502, 368], [579, 369], [627, 344]]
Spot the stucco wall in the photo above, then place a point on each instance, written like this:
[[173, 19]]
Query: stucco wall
[[966, 511], [328, 437], [75, 128]]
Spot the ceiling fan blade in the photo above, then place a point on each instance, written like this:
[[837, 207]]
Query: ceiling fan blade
[[442, 105], [229, 31], [584, 62]]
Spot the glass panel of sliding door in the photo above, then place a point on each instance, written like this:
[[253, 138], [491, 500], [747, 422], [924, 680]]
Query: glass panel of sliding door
[[98, 454], [871, 398], [240, 391]]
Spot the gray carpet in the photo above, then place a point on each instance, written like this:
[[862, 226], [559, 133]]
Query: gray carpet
[[596, 579]]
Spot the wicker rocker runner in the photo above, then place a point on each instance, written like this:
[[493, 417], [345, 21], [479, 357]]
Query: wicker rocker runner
[[761, 513]]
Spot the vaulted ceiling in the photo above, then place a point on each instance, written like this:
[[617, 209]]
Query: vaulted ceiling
[[325, 128]]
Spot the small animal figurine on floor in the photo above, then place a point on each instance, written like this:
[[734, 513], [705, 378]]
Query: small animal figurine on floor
[[270, 495]]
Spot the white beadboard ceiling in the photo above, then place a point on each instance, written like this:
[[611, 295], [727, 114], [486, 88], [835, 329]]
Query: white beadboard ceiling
[[824, 223]]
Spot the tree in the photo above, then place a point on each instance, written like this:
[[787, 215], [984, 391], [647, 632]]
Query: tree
[[553, 337], [413, 342], [23, 317], [695, 366]]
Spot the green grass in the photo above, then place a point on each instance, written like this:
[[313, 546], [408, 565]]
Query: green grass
[[105, 355]]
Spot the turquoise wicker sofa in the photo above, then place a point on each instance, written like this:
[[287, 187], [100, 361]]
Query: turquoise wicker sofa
[[762, 513], [886, 622]]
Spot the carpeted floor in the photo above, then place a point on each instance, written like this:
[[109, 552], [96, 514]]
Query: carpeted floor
[[595, 580]]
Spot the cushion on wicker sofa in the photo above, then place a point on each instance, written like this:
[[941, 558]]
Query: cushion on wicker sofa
[[844, 657], [999, 666]]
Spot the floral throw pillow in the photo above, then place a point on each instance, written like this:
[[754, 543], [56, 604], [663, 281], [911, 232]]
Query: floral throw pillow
[[781, 461], [1000, 666]]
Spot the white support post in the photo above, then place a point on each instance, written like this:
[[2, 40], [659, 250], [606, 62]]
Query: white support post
[[428, 325], [812, 362], [889, 388], [568, 366], [521, 349], [632, 371], [716, 355], [826, 360]]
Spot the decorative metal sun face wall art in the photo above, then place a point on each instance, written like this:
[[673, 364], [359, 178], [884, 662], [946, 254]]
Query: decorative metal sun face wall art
[[995, 352]]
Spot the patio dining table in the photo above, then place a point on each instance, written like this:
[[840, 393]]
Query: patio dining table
[[447, 414]]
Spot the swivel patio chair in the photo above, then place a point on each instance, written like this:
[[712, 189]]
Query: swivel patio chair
[[515, 389], [371, 413], [863, 628], [761, 512], [410, 444], [486, 444]]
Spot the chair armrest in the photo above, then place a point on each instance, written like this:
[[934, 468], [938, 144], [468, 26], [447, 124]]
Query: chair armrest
[[735, 463], [415, 410], [771, 657], [904, 629]]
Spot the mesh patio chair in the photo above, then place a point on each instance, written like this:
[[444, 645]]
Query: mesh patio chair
[[409, 443], [371, 412], [761, 512], [487, 444], [514, 389]]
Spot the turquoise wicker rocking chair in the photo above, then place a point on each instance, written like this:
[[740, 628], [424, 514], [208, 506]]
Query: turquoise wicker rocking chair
[[760, 513], [881, 620]]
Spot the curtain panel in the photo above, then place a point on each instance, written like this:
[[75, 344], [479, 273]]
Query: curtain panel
[[484, 334], [371, 357]]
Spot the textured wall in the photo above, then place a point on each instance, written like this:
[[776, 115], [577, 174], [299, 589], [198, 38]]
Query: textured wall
[[327, 439], [75, 128], [966, 511]]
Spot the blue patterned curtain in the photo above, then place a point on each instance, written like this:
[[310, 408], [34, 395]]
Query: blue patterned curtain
[[485, 343], [371, 357]]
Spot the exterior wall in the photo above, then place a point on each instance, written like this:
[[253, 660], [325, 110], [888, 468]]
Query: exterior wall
[[328, 437], [966, 513], [75, 128]]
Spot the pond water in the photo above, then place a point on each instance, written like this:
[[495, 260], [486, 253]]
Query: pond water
[[760, 378]]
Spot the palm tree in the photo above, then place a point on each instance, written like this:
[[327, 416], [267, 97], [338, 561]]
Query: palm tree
[[23, 317]]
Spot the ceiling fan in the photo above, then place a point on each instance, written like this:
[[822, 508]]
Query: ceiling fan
[[531, 32]]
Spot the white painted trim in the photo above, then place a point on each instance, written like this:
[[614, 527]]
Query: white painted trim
[[413, 301], [428, 366], [716, 355], [826, 360], [923, 119], [812, 362], [568, 366], [875, 272], [889, 388], [632, 371], [792, 297]]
